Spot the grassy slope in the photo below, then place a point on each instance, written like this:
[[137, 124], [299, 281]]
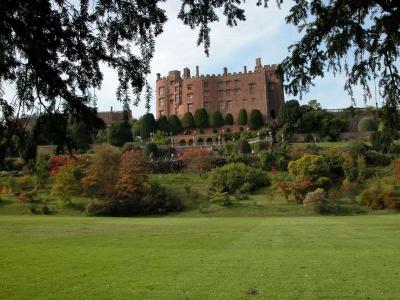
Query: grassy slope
[[199, 258]]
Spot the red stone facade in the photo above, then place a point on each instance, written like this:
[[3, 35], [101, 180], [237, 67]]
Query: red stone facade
[[228, 92]]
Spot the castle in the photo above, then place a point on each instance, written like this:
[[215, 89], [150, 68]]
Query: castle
[[228, 92]]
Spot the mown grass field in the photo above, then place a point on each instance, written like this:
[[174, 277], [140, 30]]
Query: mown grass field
[[59, 257]]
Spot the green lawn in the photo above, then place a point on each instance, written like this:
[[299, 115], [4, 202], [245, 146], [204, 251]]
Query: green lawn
[[59, 257]]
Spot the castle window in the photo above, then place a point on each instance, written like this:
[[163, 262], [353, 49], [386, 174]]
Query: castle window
[[220, 94], [253, 101], [206, 105], [237, 82], [252, 88], [220, 85], [244, 103], [227, 84], [161, 102], [178, 98], [205, 84], [189, 87], [221, 105], [161, 91], [190, 107], [229, 104], [228, 93], [206, 94], [176, 89], [190, 96], [236, 92]]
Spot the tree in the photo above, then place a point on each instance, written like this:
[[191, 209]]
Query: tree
[[41, 169], [367, 124], [197, 160], [101, 175], [119, 134], [162, 124], [67, 184], [228, 119], [215, 119], [132, 175], [187, 121], [174, 124], [242, 117], [381, 140], [289, 115], [147, 125], [201, 118], [242, 146], [81, 135], [255, 119], [150, 151], [309, 166]]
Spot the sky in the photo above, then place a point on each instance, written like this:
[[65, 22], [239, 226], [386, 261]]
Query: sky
[[264, 34]]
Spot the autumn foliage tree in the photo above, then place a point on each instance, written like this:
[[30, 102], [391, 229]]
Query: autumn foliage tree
[[197, 160], [132, 175]]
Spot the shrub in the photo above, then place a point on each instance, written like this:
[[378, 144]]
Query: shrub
[[394, 148], [391, 198], [318, 201], [221, 198], [367, 124], [154, 200], [201, 118], [58, 161], [174, 124], [187, 121], [381, 140], [331, 128], [147, 125], [228, 119], [357, 148], [297, 151], [299, 189], [41, 169], [324, 183], [119, 134], [361, 168], [197, 160], [166, 166], [260, 146], [373, 198], [309, 165], [101, 175], [374, 158], [215, 119], [81, 135], [128, 146], [231, 177], [267, 160], [349, 168], [348, 189], [242, 117], [229, 148], [67, 183], [242, 146], [150, 151], [256, 120]]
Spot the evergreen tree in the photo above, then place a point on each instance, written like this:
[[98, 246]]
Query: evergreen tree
[[81, 135], [174, 124], [201, 118], [228, 119], [255, 120], [188, 121], [147, 125], [119, 134], [215, 119], [242, 117], [162, 124]]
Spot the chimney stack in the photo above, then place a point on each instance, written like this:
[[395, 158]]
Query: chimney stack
[[197, 71], [258, 62], [244, 69], [158, 76], [186, 73], [225, 71], [111, 109]]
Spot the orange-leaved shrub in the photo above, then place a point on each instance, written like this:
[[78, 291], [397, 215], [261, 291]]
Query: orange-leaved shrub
[[197, 160]]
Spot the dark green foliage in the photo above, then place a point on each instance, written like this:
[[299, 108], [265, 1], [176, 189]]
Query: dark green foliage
[[374, 158], [201, 118], [162, 124], [228, 119], [367, 124], [324, 183], [289, 115], [150, 151], [256, 120], [242, 117], [154, 201], [242, 146], [215, 119], [332, 127], [41, 169], [136, 128], [381, 140], [187, 121], [147, 125], [231, 177], [119, 134], [174, 124], [81, 135]]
